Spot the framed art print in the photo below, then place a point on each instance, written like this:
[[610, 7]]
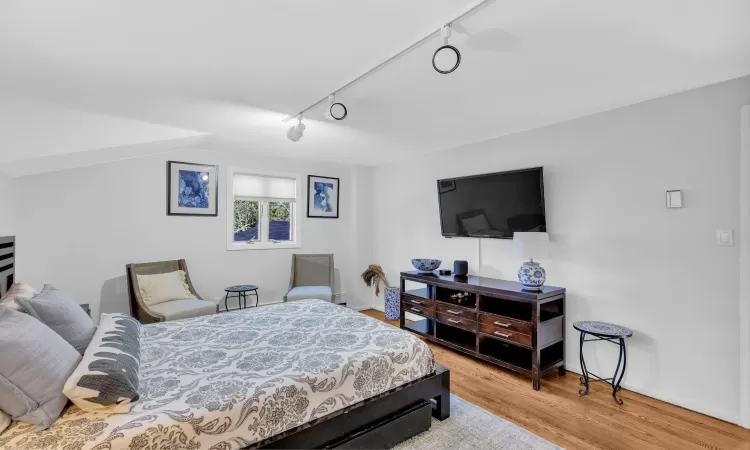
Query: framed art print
[[192, 189], [322, 197]]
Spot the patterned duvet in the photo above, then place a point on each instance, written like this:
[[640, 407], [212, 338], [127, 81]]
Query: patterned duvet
[[230, 380]]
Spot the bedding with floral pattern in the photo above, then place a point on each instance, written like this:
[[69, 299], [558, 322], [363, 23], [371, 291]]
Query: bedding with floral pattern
[[232, 380]]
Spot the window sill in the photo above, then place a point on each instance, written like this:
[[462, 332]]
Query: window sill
[[262, 246]]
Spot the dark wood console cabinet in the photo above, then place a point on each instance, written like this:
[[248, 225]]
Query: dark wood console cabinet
[[499, 322]]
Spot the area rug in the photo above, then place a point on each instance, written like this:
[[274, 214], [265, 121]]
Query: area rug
[[471, 427]]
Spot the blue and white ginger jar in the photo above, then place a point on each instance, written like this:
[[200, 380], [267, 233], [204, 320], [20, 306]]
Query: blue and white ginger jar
[[532, 276]]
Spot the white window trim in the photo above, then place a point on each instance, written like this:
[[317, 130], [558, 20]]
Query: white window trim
[[295, 217]]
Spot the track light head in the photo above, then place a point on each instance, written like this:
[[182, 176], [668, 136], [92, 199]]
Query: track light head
[[446, 58], [295, 132], [336, 110]]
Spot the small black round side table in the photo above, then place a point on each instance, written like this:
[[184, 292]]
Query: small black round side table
[[602, 331], [241, 290]]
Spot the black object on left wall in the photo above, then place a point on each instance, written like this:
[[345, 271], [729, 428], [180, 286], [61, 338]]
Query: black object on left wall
[[7, 262]]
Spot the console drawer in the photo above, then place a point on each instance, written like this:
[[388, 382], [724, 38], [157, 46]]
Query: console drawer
[[419, 310], [419, 302], [501, 323], [505, 334], [458, 312], [452, 320]]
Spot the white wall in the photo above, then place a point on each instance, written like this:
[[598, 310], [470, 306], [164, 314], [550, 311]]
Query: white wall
[[8, 210], [80, 227], [622, 256]]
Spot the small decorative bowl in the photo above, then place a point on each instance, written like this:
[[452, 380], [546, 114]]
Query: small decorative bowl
[[425, 265]]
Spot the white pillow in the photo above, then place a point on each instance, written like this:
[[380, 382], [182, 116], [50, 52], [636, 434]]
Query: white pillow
[[106, 379], [163, 287], [4, 421], [17, 290]]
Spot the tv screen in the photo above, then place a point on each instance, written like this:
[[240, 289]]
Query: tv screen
[[493, 205]]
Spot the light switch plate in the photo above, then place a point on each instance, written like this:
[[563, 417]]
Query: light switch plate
[[674, 199], [724, 238]]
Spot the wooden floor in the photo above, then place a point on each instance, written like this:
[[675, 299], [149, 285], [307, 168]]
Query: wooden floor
[[558, 414]]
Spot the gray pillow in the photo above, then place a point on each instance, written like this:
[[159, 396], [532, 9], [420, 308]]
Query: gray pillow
[[34, 366], [60, 312]]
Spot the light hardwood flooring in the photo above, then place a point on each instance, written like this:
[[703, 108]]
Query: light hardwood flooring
[[558, 414]]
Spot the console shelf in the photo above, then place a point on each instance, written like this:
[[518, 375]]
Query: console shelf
[[499, 322], [425, 327]]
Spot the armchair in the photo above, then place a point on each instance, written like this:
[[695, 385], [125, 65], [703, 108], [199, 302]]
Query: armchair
[[171, 310], [311, 277]]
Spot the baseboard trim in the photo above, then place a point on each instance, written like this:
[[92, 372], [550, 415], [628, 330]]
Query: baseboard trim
[[359, 308]]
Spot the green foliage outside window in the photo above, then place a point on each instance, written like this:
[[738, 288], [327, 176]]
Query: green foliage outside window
[[246, 213], [278, 211]]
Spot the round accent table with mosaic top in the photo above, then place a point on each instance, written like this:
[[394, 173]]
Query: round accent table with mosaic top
[[240, 291], [602, 331]]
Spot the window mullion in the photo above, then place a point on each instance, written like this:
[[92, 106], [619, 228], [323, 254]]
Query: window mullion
[[264, 221], [292, 222]]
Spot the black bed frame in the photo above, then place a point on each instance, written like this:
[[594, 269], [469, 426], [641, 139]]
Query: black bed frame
[[379, 422], [7, 262]]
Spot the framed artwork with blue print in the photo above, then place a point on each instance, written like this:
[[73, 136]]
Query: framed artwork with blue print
[[192, 189], [322, 197]]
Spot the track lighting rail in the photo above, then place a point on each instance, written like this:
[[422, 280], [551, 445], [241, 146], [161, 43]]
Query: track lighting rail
[[478, 5]]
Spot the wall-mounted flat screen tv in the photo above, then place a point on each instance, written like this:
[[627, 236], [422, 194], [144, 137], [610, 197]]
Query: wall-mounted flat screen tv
[[493, 205]]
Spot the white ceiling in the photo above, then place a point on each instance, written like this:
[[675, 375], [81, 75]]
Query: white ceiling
[[79, 76]]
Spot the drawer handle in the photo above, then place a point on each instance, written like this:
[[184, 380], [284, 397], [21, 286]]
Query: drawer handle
[[454, 321], [500, 324], [416, 302], [453, 312], [416, 309], [503, 334]]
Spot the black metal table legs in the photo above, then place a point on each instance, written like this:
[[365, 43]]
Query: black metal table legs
[[621, 362], [241, 299]]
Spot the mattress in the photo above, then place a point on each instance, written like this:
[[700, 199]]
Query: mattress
[[231, 380]]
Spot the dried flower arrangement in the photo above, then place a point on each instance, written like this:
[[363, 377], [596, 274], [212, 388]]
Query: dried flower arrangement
[[462, 297], [373, 276]]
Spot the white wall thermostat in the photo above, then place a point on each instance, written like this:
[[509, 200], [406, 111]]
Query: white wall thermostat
[[674, 199]]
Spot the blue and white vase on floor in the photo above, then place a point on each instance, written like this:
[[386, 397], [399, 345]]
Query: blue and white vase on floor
[[532, 276], [392, 303]]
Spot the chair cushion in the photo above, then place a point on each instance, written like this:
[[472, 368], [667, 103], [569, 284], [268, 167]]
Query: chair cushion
[[64, 315], [184, 308], [4, 421], [34, 365], [308, 292], [106, 379], [17, 290], [163, 287]]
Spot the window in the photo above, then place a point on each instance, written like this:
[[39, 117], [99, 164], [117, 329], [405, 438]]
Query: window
[[262, 211]]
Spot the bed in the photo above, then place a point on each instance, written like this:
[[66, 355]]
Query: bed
[[306, 374]]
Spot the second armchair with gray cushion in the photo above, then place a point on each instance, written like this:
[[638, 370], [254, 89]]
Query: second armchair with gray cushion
[[311, 277]]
